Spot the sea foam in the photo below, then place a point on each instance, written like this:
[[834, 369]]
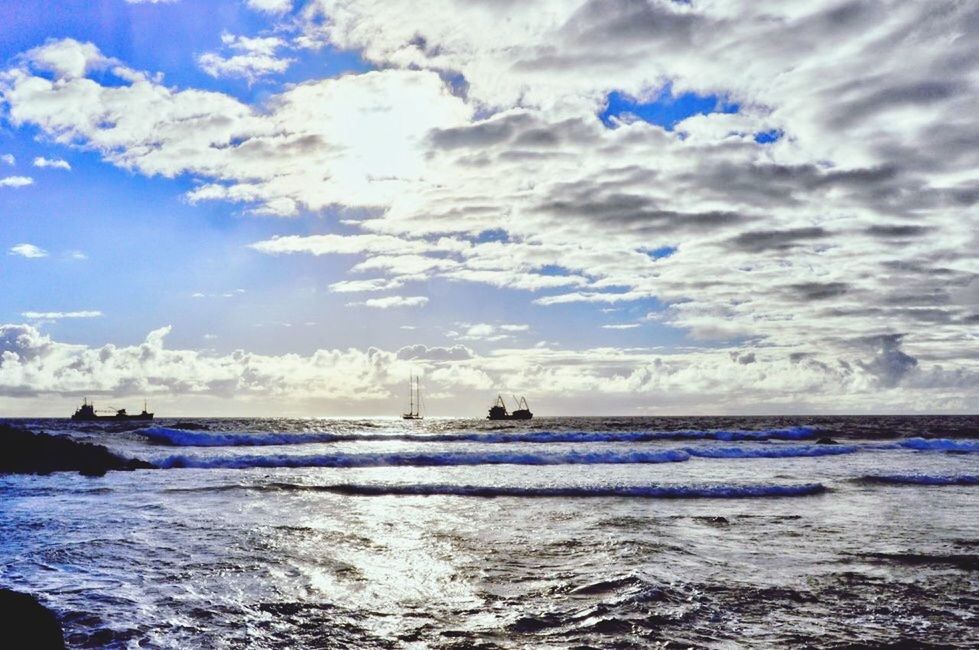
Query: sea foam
[[922, 479], [724, 491]]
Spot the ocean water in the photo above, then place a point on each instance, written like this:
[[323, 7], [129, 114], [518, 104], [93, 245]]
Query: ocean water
[[559, 532]]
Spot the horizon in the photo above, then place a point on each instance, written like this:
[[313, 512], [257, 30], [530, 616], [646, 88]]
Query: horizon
[[267, 206]]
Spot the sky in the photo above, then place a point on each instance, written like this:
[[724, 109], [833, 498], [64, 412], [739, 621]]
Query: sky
[[635, 207]]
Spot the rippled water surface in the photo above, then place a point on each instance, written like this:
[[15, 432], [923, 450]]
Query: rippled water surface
[[612, 532]]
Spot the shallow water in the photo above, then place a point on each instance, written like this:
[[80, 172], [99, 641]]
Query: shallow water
[[707, 532]]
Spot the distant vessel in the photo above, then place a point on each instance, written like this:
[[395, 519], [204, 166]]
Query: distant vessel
[[415, 405], [498, 410], [87, 413]]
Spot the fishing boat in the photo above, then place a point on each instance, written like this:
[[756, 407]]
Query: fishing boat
[[499, 411], [87, 413], [414, 400]]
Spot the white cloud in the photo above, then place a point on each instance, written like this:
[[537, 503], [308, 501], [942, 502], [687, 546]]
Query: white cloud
[[392, 301], [8, 158], [270, 6], [858, 223], [254, 58], [357, 140], [16, 181], [58, 315], [621, 326], [53, 163], [68, 58], [28, 250], [488, 332], [606, 379]]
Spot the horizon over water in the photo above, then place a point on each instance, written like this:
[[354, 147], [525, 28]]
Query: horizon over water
[[554, 532]]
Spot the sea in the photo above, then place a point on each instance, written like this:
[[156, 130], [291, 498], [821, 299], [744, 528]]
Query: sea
[[621, 532]]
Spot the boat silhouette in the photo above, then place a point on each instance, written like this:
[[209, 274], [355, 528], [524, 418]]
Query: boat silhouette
[[414, 408], [87, 413], [499, 411]]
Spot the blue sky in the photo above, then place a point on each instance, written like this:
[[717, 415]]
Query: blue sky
[[261, 199]]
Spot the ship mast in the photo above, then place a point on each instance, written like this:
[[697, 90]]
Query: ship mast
[[411, 394]]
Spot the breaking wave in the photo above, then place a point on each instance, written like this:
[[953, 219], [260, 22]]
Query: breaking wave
[[640, 491], [922, 479], [424, 459], [941, 444], [790, 451], [184, 438]]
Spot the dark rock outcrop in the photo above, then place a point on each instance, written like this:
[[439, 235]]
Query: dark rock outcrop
[[826, 440], [26, 623], [24, 452], [191, 426]]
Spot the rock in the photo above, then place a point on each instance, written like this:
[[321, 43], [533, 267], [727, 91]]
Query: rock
[[191, 426], [24, 452], [826, 440], [26, 623]]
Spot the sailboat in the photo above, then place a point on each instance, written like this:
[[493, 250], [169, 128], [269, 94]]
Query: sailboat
[[414, 399]]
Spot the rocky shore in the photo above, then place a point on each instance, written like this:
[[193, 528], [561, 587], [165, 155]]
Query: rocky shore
[[24, 452]]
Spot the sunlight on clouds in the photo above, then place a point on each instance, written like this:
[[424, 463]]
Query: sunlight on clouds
[[32, 363], [478, 144]]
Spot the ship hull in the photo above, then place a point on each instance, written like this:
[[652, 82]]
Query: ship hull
[[111, 418], [511, 416]]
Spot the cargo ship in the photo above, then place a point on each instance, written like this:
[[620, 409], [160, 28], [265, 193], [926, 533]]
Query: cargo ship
[[499, 411], [87, 413]]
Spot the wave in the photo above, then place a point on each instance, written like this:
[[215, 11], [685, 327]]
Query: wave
[[183, 438], [941, 444], [423, 459], [922, 479], [435, 459], [725, 491], [790, 451]]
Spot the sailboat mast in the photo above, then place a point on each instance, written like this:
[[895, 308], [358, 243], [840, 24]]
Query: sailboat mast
[[411, 394], [418, 397]]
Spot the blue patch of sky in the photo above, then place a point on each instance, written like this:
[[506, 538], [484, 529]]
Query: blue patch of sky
[[766, 137], [665, 109], [166, 38], [553, 269], [496, 234], [661, 252]]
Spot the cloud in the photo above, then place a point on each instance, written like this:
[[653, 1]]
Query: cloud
[[857, 222], [455, 353], [8, 158], [488, 332], [621, 326], [353, 140], [68, 58], [392, 301], [254, 58], [29, 251], [53, 163], [16, 181], [58, 315], [873, 377], [270, 6]]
